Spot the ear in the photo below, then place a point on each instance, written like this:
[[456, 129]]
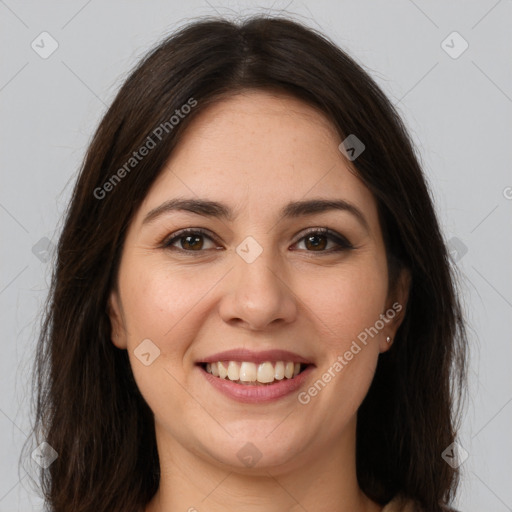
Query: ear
[[115, 313], [395, 311]]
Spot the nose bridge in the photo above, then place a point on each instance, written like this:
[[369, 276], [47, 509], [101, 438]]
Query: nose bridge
[[257, 267], [263, 270], [259, 294]]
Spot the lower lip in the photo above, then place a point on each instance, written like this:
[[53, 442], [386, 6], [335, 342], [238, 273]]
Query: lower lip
[[257, 394]]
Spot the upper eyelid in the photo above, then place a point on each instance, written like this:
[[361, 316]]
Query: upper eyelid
[[189, 231]]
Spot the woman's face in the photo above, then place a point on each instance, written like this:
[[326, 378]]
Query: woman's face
[[258, 290]]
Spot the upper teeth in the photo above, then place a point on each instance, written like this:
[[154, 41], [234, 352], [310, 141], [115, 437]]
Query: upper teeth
[[251, 372]]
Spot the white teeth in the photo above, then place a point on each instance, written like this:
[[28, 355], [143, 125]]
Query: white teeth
[[265, 372], [248, 372], [233, 371], [279, 370], [222, 370]]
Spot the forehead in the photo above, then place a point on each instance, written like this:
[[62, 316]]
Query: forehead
[[257, 151], [257, 123]]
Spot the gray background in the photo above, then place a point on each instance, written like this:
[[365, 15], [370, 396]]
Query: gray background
[[457, 109]]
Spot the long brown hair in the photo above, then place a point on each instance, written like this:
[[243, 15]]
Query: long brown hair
[[87, 405]]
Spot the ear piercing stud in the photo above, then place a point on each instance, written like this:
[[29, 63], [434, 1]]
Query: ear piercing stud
[[388, 340]]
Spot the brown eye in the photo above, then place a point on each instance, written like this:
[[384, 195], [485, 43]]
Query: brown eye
[[317, 240], [189, 240]]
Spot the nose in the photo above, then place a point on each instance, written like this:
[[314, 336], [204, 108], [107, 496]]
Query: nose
[[257, 295]]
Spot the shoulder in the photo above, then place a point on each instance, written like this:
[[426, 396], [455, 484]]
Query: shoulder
[[402, 504]]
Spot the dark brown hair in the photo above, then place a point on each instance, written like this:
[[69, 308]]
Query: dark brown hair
[[87, 405]]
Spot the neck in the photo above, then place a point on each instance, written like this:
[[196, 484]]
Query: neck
[[321, 481]]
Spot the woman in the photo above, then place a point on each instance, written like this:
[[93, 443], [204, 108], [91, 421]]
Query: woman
[[253, 307]]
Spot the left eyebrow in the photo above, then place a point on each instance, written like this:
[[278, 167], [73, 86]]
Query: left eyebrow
[[294, 209]]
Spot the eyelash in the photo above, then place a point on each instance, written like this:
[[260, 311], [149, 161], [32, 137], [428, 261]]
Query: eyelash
[[341, 241]]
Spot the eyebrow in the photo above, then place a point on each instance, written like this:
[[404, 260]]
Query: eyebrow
[[294, 209]]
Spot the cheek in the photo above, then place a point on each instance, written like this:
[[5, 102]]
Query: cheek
[[346, 302], [160, 304], [165, 304], [160, 300], [346, 306]]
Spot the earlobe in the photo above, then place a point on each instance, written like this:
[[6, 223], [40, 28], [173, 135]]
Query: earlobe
[[385, 344], [117, 331]]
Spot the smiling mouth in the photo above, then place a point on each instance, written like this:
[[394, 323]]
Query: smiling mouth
[[253, 374]]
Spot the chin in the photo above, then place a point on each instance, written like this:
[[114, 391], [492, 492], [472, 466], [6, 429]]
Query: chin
[[260, 449]]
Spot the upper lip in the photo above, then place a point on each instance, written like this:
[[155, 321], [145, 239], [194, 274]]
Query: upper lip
[[242, 354]]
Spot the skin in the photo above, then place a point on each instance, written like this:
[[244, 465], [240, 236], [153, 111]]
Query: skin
[[255, 152]]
